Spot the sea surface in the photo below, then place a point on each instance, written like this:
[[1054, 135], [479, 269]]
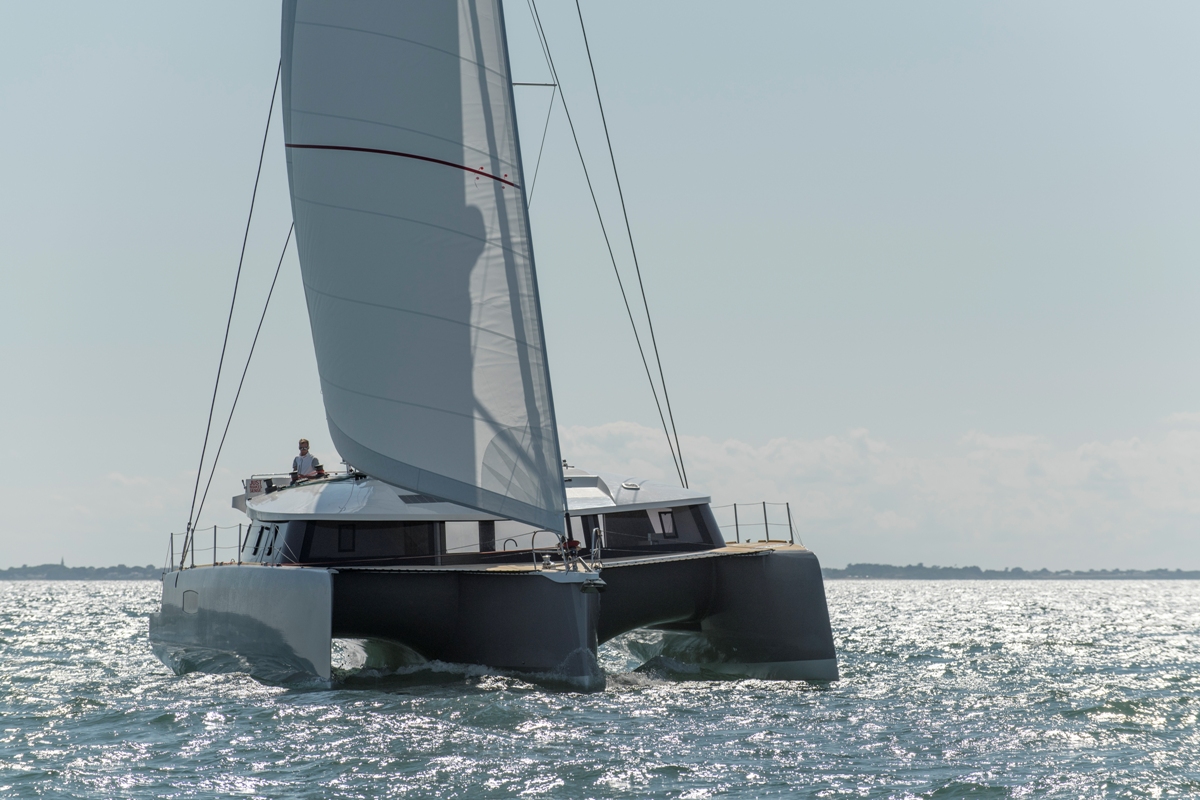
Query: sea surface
[[949, 689]]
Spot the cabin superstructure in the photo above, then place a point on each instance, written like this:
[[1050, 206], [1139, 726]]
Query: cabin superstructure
[[352, 519]]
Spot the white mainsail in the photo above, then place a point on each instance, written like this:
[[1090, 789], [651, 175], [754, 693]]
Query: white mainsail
[[413, 235]]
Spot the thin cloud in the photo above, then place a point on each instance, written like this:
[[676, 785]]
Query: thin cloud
[[992, 500]]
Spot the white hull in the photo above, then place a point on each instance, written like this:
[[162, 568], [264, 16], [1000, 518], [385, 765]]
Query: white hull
[[274, 621]]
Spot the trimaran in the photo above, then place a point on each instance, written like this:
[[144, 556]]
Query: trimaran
[[459, 533]]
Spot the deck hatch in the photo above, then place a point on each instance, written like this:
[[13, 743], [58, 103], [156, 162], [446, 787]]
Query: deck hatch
[[420, 499]]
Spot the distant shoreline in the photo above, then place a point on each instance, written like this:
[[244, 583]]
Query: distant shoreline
[[58, 572], [922, 572]]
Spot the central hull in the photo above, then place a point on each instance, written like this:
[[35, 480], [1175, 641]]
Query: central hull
[[530, 623]]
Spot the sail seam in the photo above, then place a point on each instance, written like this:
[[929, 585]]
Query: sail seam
[[399, 154], [477, 418], [522, 343], [347, 28], [486, 241]]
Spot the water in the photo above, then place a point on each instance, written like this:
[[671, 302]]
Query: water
[[971, 689]]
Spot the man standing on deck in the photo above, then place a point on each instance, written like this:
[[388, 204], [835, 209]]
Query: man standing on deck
[[306, 465]]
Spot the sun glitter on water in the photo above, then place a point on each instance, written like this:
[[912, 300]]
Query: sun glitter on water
[[949, 689]]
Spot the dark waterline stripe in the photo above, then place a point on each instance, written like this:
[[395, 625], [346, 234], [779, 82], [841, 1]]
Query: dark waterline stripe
[[401, 155]]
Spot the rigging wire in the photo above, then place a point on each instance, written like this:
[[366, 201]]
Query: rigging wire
[[604, 230], [245, 369], [629, 232], [541, 147], [545, 128], [237, 279]]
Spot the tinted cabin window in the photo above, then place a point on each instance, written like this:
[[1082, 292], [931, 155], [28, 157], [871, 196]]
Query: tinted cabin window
[[345, 538], [589, 523], [418, 540], [697, 524], [371, 542], [681, 525], [487, 535], [628, 529]]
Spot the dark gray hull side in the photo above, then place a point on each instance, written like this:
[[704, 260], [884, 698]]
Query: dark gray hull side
[[528, 623], [762, 614]]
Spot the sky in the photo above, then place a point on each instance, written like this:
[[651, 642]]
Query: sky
[[925, 272]]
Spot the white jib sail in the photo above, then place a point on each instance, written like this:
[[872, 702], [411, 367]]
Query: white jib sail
[[413, 235]]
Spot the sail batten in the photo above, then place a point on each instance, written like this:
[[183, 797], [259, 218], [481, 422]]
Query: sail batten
[[413, 235]]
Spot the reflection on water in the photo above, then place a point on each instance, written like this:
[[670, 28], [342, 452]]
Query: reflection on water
[[949, 689]]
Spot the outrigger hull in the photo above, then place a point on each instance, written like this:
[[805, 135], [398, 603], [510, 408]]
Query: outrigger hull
[[273, 622], [759, 611], [755, 611]]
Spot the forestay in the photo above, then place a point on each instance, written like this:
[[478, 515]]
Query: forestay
[[411, 225]]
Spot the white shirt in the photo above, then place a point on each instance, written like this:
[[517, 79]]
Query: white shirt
[[305, 464]]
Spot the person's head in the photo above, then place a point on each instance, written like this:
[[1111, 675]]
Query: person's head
[[303, 446]]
